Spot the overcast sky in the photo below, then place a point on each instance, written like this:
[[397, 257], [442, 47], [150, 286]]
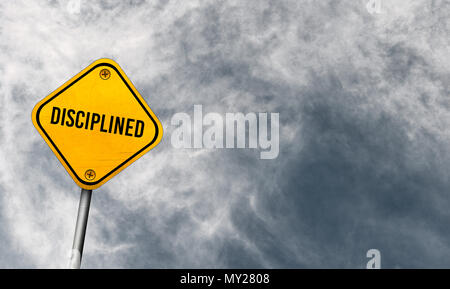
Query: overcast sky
[[364, 155]]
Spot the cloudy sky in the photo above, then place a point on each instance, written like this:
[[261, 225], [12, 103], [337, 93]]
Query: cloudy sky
[[364, 159]]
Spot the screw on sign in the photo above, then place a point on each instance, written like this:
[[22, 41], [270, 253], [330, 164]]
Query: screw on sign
[[89, 175], [105, 74], [96, 128]]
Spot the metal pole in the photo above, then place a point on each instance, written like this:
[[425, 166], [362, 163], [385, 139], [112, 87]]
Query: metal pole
[[80, 229]]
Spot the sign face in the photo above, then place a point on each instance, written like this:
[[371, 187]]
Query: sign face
[[97, 124]]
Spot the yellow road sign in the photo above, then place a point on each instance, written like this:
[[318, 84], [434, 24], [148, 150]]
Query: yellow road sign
[[97, 124]]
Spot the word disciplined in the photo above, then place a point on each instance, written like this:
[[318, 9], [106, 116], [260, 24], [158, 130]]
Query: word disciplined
[[91, 120]]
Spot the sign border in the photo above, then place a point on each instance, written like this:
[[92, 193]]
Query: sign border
[[111, 64]]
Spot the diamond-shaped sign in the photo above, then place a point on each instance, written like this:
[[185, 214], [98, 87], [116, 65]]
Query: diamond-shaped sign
[[97, 124]]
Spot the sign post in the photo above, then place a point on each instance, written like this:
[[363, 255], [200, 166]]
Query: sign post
[[80, 229], [96, 124]]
